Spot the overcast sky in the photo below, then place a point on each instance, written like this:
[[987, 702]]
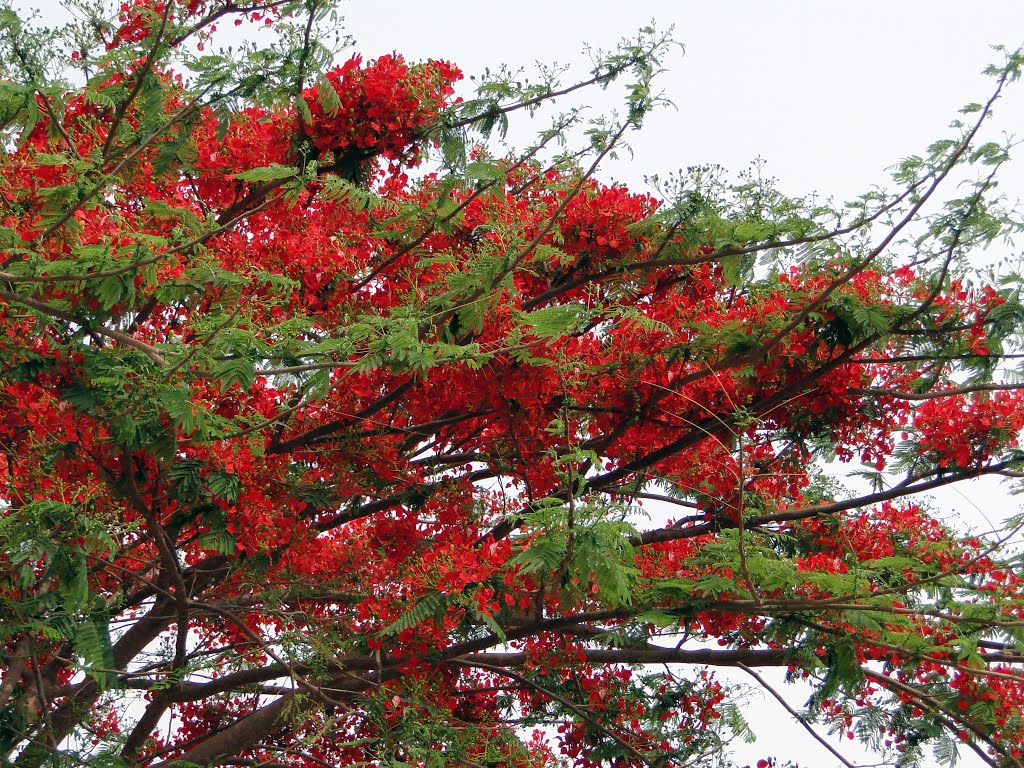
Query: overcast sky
[[829, 94]]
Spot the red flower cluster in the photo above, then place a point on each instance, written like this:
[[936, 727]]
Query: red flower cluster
[[383, 108], [963, 431]]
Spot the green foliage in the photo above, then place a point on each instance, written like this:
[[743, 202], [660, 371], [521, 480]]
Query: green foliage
[[427, 607], [592, 553]]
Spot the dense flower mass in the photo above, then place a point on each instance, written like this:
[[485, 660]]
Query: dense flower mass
[[383, 108], [309, 458]]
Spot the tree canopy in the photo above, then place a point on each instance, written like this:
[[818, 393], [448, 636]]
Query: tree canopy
[[337, 434]]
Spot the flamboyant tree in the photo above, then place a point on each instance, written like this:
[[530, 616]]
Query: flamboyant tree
[[328, 428]]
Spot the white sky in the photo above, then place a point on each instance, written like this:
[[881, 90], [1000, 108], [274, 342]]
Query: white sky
[[829, 94]]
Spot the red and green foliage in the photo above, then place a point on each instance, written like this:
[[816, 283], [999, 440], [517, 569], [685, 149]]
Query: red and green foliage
[[334, 437]]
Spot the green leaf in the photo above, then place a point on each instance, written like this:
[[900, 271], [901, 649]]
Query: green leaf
[[659, 619], [490, 622], [427, 607], [180, 408], [238, 370], [327, 96], [268, 173], [69, 565], [55, 159], [224, 485], [219, 541], [483, 171], [557, 321], [92, 643], [844, 671], [184, 479], [545, 553]]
